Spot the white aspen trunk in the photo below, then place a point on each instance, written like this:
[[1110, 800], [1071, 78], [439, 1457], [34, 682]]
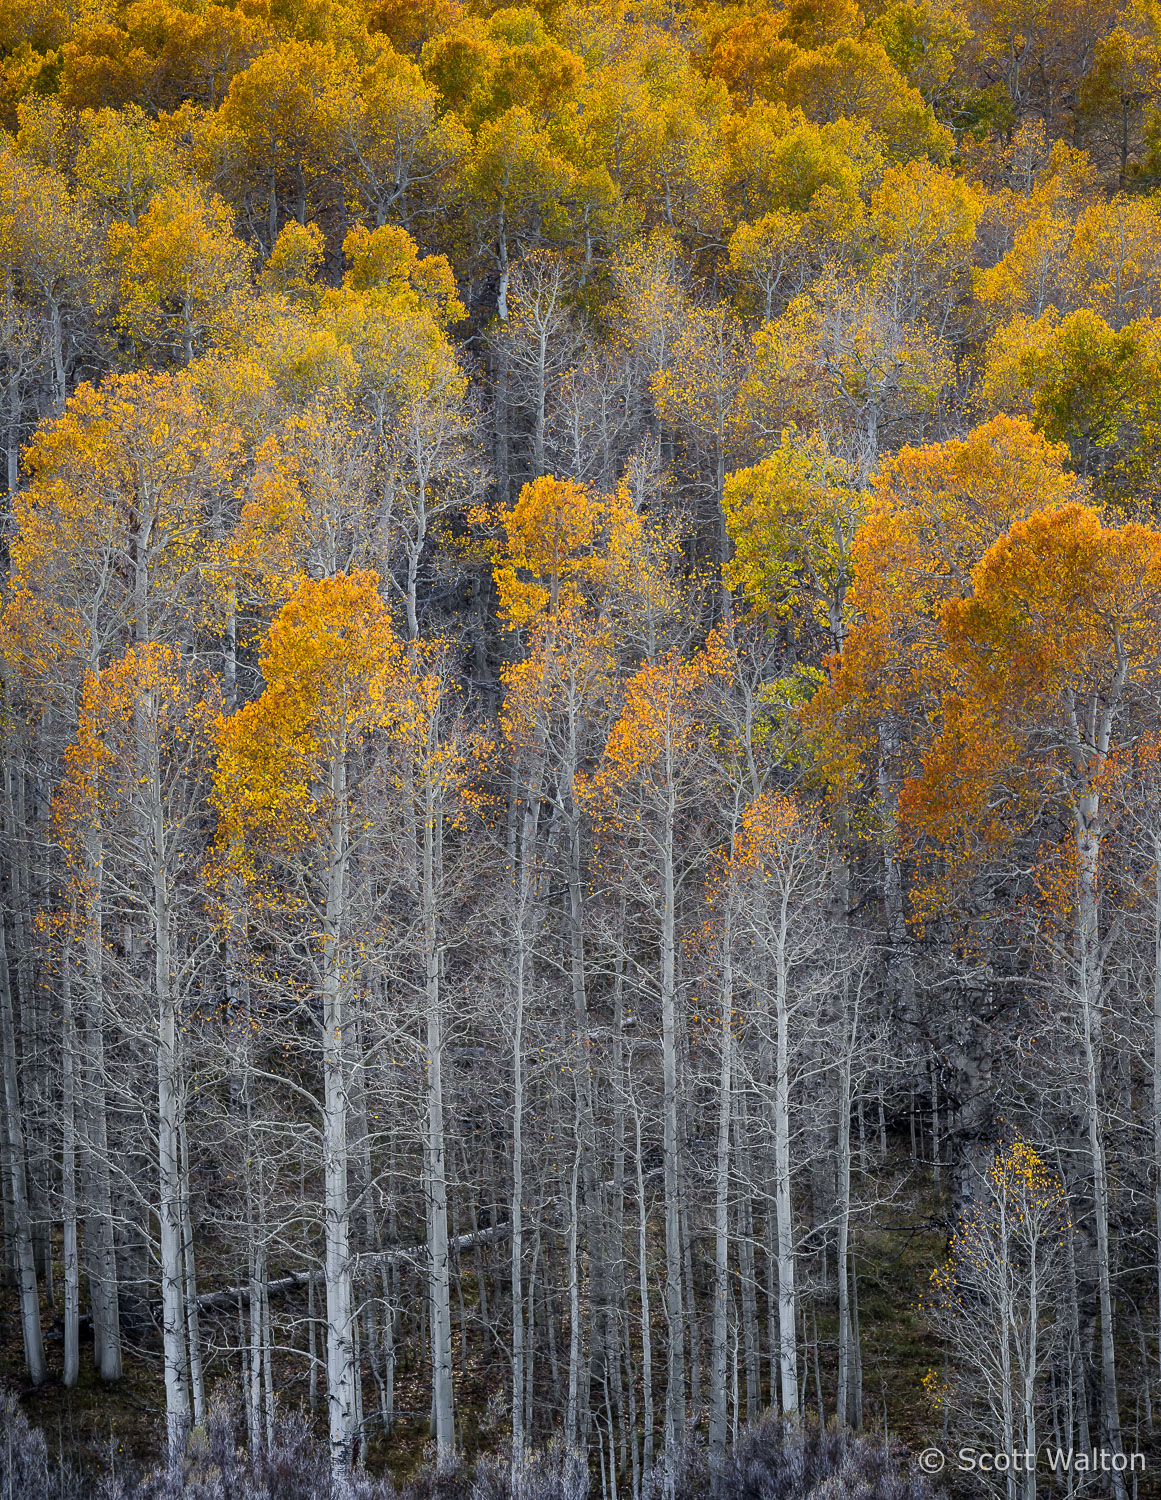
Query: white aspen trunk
[[415, 547], [340, 1345], [842, 1402], [100, 1252], [725, 547], [18, 1182], [268, 1363], [1088, 845], [770, 1246], [177, 1405], [718, 1422], [56, 342], [230, 658], [675, 1383], [245, 1350], [746, 1266], [311, 1346], [1076, 1370], [255, 1252], [541, 401], [505, 272], [1030, 1370], [646, 1317], [856, 1353], [193, 1330], [734, 1413], [68, 1174], [517, 1212], [388, 1397], [1007, 1325], [530, 1363], [252, 1378], [439, 1264], [621, 1354], [780, 1109], [595, 1226], [576, 1352], [522, 893], [1157, 1064]]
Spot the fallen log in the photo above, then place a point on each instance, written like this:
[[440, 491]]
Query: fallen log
[[281, 1286]]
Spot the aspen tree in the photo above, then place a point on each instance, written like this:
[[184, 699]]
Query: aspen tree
[[993, 1299], [181, 271], [1067, 613], [289, 792], [641, 791], [44, 243], [15, 1152], [136, 773]]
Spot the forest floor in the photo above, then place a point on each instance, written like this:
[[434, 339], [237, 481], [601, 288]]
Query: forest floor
[[898, 1244]]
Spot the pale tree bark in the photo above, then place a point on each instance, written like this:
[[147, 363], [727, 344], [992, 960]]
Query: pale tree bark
[[1006, 1321], [18, 1182], [1089, 749], [583, 1083], [98, 1245], [1157, 1064], [197, 1382], [340, 1345], [718, 1357], [577, 1364], [438, 1253], [100, 1252], [522, 883], [169, 1093], [517, 1208], [643, 1293], [68, 1173], [845, 1352], [780, 1120], [675, 1382], [747, 1275]]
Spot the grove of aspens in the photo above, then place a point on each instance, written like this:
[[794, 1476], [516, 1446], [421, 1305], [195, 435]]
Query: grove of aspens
[[580, 749]]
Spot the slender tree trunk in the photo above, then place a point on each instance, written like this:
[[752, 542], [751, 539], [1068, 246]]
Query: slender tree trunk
[[193, 1330], [414, 553], [1030, 1370], [1008, 1435], [1076, 1363], [439, 1266], [169, 1094], [850, 1033], [577, 1366], [14, 1145], [583, 1079], [56, 340], [718, 1412], [675, 1383], [68, 1174], [1088, 967], [1157, 1065], [522, 892], [100, 1253], [747, 1272], [340, 1344], [780, 1108], [643, 1292], [541, 403]]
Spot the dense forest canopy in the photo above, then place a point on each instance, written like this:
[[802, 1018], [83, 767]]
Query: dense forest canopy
[[581, 744]]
